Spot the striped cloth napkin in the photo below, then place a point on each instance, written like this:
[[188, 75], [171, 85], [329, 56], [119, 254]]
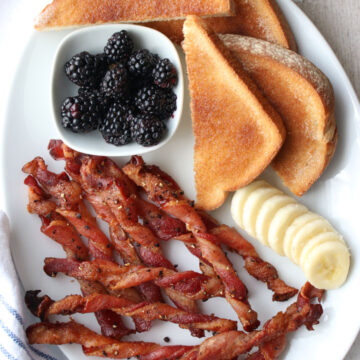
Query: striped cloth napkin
[[14, 317]]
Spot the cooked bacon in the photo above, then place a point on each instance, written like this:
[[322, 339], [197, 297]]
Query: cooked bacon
[[66, 192], [191, 355], [122, 244], [93, 343], [58, 229], [164, 191], [255, 266], [44, 307], [168, 353], [233, 343], [269, 350], [115, 277], [99, 245], [38, 203], [65, 235], [162, 225]]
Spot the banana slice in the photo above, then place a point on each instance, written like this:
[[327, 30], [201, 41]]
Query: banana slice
[[316, 241], [279, 224], [252, 206], [239, 198], [293, 229], [266, 214], [327, 265], [307, 232], [290, 229]]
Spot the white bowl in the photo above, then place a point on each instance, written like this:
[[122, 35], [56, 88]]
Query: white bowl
[[93, 39]]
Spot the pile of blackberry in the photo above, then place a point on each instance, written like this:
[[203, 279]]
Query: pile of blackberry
[[125, 93]]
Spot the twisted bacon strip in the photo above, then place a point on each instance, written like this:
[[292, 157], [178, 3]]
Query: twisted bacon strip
[[96, 345], [114, 277], [58, 229], [162, 190], [254, 265], [233, 343], [43, 307]]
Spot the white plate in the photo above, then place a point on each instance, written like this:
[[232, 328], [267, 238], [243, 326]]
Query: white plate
[[29, 127]]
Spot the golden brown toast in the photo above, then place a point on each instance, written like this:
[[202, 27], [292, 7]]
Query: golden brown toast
[[237, 132], [261, 19], [304, 98], [69, 13]]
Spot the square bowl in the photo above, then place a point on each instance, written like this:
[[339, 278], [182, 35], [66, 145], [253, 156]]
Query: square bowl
[[93, 39]]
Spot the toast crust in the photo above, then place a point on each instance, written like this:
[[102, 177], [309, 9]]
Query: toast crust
[[69, 13], [304, 97], [237, 132], [261, 19]]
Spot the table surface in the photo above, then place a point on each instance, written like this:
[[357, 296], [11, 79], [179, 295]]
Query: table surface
[[337, 20]]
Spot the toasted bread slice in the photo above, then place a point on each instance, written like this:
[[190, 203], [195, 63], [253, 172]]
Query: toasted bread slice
[[237, 132], [69, 13], [261, 19], [304, 98]]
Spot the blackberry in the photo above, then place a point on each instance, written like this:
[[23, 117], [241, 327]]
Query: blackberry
[[150, 100], [142, 62], [147, 130], [80, 114], [105, 62], [85, 70], [119, 47], [115, 81], [137, 83], [116, 127], [117, 140], [104, 101], [170, 105], [164, 74]]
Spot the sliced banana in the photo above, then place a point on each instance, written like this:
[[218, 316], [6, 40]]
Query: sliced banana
[[267, 212], [316, 241], [327, 265], [239, 198], [307, 232], [252, 206], [279, 224], [292, 230]]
